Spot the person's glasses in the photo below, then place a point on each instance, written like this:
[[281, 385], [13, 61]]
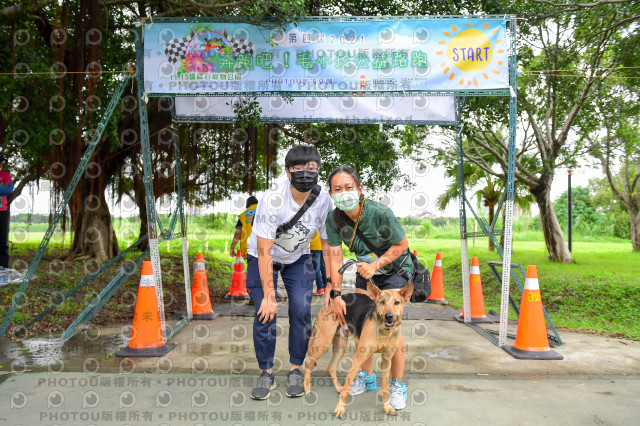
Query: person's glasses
[[312, 169]]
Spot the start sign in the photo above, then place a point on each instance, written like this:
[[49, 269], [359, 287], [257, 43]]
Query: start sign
[[331, 56]]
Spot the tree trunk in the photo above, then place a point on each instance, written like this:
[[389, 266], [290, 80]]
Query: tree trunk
[[634, 216], [491, 215], [94, 236], [556, 245]]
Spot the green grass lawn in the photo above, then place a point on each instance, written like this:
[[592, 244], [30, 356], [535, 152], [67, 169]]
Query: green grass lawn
[[600, 292]]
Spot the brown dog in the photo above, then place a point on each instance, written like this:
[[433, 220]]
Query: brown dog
[[374, 321]]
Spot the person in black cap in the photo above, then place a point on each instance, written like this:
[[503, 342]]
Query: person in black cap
[[6, 188]]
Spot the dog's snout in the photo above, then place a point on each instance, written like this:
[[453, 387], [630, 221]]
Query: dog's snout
[[389, 316]]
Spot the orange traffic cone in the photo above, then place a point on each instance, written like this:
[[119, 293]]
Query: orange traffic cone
[[146, 334], [200, 299], [238, 288], [437, 285], [477, 299], [531, 338]]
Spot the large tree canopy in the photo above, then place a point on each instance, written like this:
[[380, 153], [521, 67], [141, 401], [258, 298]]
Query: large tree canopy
[[565, 58], [47, 120]]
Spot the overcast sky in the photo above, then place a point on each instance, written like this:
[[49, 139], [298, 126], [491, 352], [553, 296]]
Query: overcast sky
[[403, 203]]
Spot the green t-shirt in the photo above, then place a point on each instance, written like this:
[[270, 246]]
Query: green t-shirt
[[380, 226]]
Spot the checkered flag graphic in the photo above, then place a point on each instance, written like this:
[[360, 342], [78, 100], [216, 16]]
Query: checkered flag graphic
[[177, 48], [239, 45]]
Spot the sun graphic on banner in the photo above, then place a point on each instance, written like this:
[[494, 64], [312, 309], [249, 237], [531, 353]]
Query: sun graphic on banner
[[469, 53]]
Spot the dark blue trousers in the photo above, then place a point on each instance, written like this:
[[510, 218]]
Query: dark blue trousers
[[321, 270], [298, 281]]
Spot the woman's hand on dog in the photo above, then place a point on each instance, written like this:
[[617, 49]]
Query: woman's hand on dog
[[339, 309], [268, 308], [366, 270]]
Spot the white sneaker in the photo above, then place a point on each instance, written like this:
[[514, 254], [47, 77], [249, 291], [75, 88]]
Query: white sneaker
[[363, 382], [398, 395]]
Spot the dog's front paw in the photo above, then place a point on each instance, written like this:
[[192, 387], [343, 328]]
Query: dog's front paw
[[307, 390], [339, 412], [388, 409]]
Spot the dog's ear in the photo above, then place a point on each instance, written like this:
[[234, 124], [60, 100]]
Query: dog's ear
[[372, 291], [406, 291]]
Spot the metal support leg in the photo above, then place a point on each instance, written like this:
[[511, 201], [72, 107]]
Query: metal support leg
[[102, 298], [63, 205], [183, 231], [508, 221], [79, 286], [147, 179], [464, 252]]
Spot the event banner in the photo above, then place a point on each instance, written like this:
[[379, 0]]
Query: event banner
[[330, 57], [316, 109]]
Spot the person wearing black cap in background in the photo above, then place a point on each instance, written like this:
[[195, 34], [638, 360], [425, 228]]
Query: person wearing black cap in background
[[6, 188]]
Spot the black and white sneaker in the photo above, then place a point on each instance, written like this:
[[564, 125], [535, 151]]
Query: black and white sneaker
[[295, 383], [266, 383]]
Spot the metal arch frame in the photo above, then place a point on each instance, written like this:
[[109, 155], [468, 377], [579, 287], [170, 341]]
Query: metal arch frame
[[162, 20], [153, 219], [152, 216], [458, 92], [124, 273], [18, 296], [507, 199]]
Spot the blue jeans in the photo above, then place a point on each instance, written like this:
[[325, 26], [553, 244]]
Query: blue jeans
[[321, 271], [298, 281]]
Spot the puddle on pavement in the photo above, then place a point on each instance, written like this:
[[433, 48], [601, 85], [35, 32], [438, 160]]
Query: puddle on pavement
[[55, 353]]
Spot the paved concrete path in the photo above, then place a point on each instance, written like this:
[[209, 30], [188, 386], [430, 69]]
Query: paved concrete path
[[205, 399], [454, 376]]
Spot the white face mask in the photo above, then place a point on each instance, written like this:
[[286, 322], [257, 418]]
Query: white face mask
[[346, 200]]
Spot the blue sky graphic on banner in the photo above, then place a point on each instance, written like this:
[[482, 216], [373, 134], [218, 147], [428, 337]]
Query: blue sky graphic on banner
[[318, 56]]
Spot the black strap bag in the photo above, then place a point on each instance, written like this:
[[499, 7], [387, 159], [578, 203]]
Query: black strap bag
[[421, 278], [315, 191]]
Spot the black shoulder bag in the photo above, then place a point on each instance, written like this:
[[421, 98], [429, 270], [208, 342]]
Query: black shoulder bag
[[421, 279], [315, 191]]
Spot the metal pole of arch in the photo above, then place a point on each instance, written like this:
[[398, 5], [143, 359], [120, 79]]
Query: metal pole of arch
[[183, 228], [508, 221], [147, 179], [464, 251]]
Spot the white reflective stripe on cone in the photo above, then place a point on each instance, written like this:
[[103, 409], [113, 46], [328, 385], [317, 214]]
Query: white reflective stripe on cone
[[531, 284], [146, 281], [475, 270], [437, 263], [199, 266]]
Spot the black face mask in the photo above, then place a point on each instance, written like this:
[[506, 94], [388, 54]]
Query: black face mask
[[304, 181]]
